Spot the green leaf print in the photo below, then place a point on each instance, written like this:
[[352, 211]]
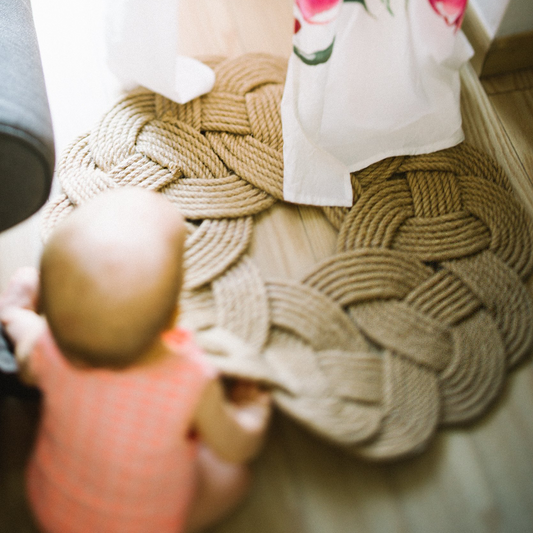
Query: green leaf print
[[360, 2], [387, 5], [317, 57]]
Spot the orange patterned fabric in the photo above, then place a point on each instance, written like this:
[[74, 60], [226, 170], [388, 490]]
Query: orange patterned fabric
[[114, 452]]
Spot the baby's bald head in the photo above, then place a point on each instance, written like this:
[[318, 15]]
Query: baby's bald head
[[111, 275]]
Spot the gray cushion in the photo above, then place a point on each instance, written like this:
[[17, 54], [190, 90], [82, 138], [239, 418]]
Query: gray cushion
[[26, 137]]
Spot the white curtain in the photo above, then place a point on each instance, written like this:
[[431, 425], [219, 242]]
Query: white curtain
[[142, 49]]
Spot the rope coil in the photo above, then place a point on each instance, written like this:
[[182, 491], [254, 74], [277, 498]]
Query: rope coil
[[411, 324]]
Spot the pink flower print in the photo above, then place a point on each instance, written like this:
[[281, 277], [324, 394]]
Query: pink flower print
[[452, 11], [312, 9]]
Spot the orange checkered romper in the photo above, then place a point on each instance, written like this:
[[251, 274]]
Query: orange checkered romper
[[114, 452]]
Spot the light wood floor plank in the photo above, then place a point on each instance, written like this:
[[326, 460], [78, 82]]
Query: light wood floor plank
[[518, 80], [512, 108]]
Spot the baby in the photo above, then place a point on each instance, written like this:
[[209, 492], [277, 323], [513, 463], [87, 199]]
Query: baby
[[136, 432]]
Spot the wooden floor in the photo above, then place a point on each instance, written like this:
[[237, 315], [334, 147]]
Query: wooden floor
[[477, 478]]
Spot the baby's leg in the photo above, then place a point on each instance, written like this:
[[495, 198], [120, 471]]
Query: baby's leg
[[221, 487]]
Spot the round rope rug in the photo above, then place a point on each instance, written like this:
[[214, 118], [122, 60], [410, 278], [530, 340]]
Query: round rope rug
[[411, 324]]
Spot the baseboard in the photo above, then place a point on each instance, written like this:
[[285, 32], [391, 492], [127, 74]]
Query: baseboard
[[506, 54], [496, 55], [478, 36]]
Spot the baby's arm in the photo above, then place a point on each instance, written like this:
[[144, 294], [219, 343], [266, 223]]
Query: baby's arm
[[18, 316], [234, 430]]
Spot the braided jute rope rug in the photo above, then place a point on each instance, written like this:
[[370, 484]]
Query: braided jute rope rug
[[411, 324]]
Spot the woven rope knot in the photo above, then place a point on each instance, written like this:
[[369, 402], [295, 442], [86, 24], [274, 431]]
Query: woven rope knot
[[411, 323], [219, 156]]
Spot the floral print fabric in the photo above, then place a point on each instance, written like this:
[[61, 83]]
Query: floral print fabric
[[368, 79]]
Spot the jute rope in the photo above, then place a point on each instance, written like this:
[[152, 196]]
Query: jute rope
[[411, 324]]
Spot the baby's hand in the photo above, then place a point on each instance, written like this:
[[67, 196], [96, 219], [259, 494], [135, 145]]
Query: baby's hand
[[21, 291], [252, 404]]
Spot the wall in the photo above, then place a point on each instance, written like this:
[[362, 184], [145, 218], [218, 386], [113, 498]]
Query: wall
[[518, 18], [490, 13], [504, 17]]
